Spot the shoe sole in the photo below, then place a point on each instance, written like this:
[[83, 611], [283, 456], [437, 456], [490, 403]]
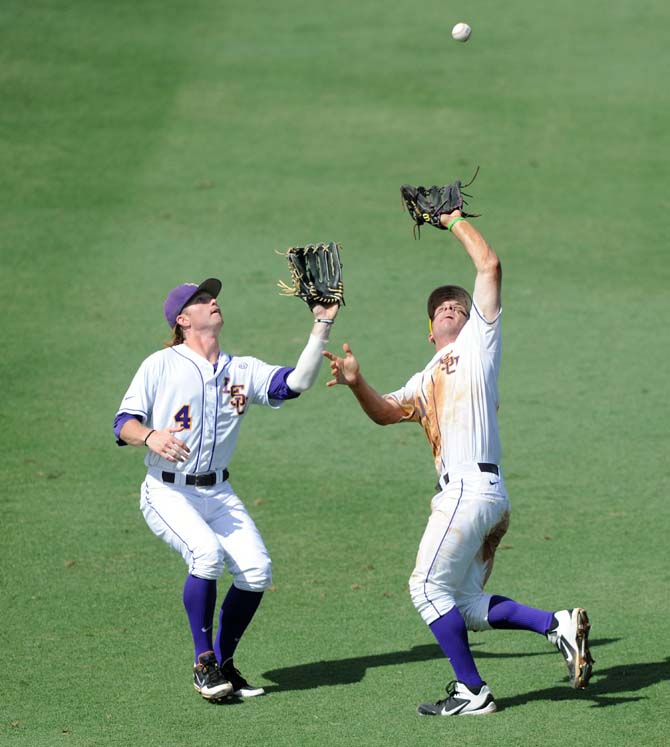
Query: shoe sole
[[490, 708], [585, 662], [218, 695], [249, 692]]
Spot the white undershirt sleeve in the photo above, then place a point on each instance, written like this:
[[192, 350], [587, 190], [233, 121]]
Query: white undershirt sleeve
[[308, 365]]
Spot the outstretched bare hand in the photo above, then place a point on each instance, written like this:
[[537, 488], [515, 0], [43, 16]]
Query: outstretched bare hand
[[344, 370]]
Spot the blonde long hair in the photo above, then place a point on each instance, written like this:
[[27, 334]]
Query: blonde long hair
[[177, 337]]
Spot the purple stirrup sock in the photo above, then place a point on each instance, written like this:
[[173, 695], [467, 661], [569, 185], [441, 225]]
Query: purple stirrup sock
[[510, 615], [237, 611], [199, 601], [452, 635]]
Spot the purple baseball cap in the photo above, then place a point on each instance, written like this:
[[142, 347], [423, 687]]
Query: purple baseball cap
[[179, 297]]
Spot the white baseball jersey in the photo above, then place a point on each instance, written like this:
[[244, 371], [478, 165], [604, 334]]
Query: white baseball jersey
[[455, 397], [176, 387]]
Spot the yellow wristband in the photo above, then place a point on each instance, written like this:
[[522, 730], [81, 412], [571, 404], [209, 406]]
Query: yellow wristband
[[454, 221]]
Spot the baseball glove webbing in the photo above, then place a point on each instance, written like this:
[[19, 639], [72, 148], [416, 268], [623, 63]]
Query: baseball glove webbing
[[316, 274], [426, 205]]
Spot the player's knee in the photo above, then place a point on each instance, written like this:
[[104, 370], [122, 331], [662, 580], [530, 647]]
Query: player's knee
[[475, 611], [208, 562], [416, 591], [255, 578], [430, 600]]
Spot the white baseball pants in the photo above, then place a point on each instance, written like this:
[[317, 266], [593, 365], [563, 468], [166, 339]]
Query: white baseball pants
[[210, 528], [468, 519]]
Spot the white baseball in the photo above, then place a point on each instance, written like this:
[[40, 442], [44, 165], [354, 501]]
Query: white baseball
[[461, 32]]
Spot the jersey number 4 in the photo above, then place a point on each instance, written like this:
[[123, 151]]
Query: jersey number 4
[[183, 417]]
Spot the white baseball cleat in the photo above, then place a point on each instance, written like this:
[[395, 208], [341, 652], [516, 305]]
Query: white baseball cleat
[[241, 688], [571, 637], [461, 701]]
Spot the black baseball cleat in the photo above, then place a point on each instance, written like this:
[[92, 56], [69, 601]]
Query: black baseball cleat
[[241, 688], [208, 679], [461, 700], [570, 635]]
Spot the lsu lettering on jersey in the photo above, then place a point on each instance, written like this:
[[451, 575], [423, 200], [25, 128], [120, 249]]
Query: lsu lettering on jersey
[[208, 404], [455, 397]]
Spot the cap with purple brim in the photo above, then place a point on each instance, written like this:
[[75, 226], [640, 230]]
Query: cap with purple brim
[[179, 297]]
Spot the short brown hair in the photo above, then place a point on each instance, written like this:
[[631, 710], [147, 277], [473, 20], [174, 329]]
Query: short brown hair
[[448, 293]]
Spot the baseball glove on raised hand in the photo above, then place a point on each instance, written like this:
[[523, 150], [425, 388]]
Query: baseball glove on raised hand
[[316, 274], [426, 205]]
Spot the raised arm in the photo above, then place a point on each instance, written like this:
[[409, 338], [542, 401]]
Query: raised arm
[[347, 371], [307, 368], [489, 271]]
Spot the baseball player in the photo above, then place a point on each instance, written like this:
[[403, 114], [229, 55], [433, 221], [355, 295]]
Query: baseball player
[[185, 407], [455, 399]]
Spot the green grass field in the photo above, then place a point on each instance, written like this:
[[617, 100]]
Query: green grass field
[[148, 143]]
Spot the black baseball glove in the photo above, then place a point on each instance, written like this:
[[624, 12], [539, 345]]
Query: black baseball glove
[[316, 274], [426, 205]]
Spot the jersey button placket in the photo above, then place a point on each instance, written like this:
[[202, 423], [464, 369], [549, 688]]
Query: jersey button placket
[[208, 423]]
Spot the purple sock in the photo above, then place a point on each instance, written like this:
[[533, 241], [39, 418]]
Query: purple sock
[[452, 635], [199, 601], [237, 611], [508, 614]]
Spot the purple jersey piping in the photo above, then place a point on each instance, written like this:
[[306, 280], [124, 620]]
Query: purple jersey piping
[[444, 536], [486, 321], [202, 384], [174, 531], [216, 414]]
